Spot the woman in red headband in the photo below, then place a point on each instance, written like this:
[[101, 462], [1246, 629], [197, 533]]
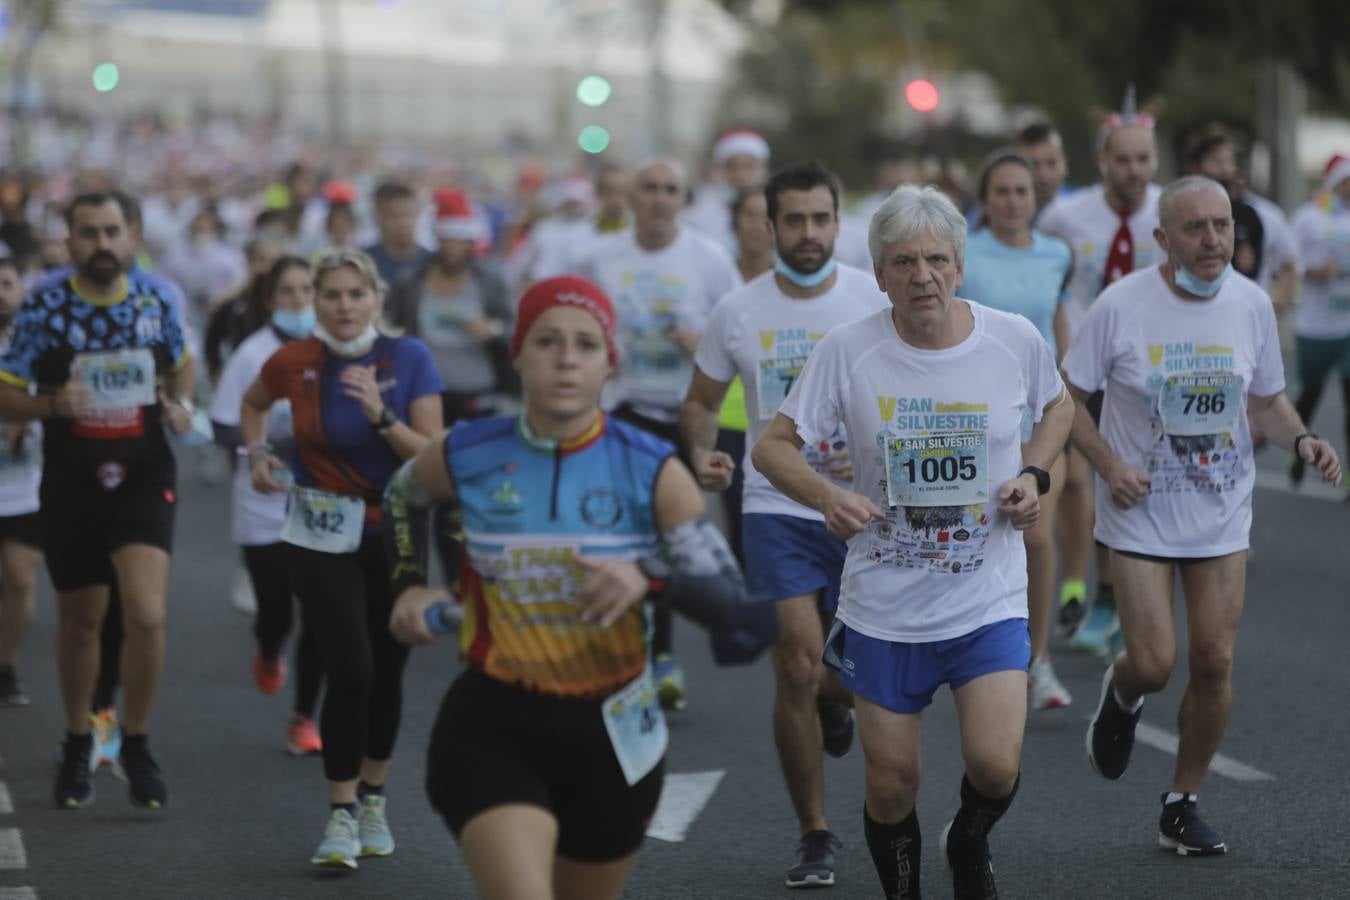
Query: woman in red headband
[[546, 758]]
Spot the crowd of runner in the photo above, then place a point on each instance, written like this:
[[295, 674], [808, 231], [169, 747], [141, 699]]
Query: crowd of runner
[[925, 420]]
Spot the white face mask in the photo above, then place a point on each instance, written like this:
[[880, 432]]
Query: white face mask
[[357, 346]]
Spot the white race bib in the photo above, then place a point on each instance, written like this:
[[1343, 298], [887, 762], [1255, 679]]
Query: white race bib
[[328, 523], [636, 727], [119, 379], [774, 380], [938, 469], [1194, 405]]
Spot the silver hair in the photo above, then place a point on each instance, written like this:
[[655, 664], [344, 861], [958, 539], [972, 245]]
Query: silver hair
[[1188, 184], [674, 164], [911, 211]]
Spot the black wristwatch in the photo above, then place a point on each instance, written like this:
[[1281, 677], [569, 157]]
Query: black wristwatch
[[1298, 440], [657, 571], [388, 419], [1042, 479]]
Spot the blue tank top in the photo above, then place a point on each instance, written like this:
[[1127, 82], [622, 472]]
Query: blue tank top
[[530, 507], [1030, 281]]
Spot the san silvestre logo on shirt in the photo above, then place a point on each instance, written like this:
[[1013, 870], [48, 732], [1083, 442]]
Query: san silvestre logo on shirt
[[926, 414]]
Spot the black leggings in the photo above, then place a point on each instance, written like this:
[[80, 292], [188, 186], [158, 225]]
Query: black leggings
[[110, 652], [1311, 394], [346, 600], [271, 579]]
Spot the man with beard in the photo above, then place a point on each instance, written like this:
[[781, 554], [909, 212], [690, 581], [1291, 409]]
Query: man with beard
[[107, 353], [1041, 144], [1264, 246], [1110, 227], [664, 281], [763, 332]]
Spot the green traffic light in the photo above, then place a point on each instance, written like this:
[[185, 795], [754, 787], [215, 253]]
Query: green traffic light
[[593, 90], [593, 139], [105, 77]]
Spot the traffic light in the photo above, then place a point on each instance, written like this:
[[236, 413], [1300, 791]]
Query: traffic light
[[105, 77], [593, 139], [922, 94], [594, 90]]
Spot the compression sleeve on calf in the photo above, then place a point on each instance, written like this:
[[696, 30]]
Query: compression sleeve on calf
[[406, 523], [705, 583]]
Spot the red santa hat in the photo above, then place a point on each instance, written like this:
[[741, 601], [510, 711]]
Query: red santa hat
[[455, 216], [1337, 170], [738, 141]]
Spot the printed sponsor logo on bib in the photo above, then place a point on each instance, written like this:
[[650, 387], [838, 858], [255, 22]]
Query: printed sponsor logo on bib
[[322, 521], [119, 379], [636, 727]]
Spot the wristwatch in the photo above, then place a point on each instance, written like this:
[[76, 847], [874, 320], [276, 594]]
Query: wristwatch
[[657, 571], [388, 419], [1042, 479]]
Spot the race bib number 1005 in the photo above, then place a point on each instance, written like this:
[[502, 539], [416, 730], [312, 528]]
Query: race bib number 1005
[[938, 469]]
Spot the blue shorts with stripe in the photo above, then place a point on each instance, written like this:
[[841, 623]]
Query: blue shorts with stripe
[[788, 556]]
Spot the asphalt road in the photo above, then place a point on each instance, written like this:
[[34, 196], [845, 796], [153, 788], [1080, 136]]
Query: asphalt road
[[244, 817]]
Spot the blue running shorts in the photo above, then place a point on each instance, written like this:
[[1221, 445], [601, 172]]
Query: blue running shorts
[[903, 677], [788, 556]]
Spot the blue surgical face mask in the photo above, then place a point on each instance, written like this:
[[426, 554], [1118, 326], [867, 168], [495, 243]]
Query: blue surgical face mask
[[1200, 288], [297, 323], [801, 279]]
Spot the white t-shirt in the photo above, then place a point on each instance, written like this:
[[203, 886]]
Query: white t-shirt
[[20, 472], [1323, 310], [675, 287], [257, 518], [558, 246], [764, 336], [938, 432], [1088, 223], [710, 215], [1177, 374]]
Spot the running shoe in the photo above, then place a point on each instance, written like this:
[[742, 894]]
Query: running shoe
[[145, 785], [74, 790], [970, 865], [815, 860], [1044, 690], [1182, 830], [11, 690], [107, 738], [669, 682], [373, 828], [836, 727], [1071, 606], [269, 674], [1110, 737], [341, 844], [1094, 635], [302, 737]]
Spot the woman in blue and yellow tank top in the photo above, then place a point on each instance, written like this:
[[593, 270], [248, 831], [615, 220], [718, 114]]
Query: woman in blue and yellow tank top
[[546, 758]]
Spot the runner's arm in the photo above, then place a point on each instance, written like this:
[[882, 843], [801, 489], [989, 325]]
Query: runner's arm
[[17, 405], [1050, 433], [408, 439], [777, 456], [181, 383], [705, 584], [253, 414], [1085, 437], [420, 484], [699, 412]]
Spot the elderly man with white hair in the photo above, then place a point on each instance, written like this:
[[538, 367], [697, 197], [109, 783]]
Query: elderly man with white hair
[[934, 589], [1189, 358]]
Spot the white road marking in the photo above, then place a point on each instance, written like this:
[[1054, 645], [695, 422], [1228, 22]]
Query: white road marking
[[6, 802], [683, 797], [11, 850], [19, 893], [1220, 765], [1313, 486]]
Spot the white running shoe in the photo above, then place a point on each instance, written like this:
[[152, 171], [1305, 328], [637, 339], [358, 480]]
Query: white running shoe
[[340, 845], [376, 838], [1044, 690], [241, 593]]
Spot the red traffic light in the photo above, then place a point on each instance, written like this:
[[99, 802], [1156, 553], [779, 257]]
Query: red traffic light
[[922, 94]]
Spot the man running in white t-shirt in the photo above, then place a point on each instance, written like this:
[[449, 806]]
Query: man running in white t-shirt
[[664, 281], [1110, 228], [1189, 357], [934, 590], [764, 333], [740, 164]]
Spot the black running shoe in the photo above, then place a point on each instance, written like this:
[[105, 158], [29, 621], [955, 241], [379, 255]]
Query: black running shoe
[[73, 789], [1071, 614], [836, 727], [1110, 737], [971, 867], [815, 860], [11, 691], [145, 786], [1181, 829]]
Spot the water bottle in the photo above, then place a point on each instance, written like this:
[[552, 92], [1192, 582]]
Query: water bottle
[[442, 617]]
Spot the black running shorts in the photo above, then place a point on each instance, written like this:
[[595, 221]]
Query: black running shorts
[[494, 743], [24, 529], [82, 525]]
